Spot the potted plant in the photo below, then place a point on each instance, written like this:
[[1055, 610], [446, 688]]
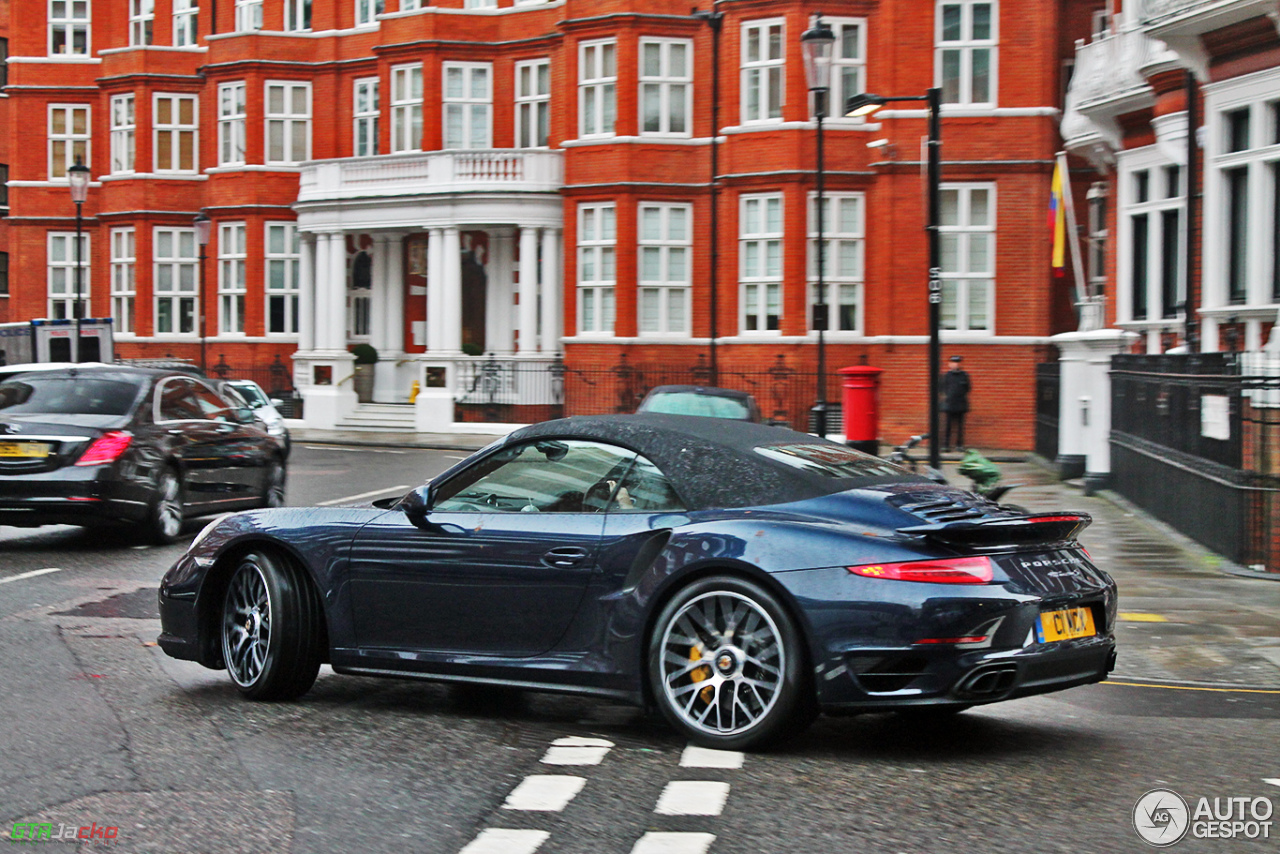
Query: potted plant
[[366, 358]]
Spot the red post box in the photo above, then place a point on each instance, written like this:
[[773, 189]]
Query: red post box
[[861, 404]]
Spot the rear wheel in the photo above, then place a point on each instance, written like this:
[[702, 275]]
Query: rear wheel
[[726, 665], [272, 636], [164, 518]]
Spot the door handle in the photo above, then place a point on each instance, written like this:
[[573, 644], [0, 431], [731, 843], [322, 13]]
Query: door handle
[[565, 557]]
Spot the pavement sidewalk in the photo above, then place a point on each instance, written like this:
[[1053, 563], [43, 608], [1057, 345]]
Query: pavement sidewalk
[[1187, 614]]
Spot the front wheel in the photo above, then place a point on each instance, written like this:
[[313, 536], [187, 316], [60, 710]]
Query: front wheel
[[726, 665], [272, 635], [273, 485], [164, 517]]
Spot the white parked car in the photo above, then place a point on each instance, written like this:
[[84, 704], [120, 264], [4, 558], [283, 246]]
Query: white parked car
[[264, 408]]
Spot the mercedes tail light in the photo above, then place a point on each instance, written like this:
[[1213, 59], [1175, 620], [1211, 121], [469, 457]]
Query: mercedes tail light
[[107, 448], [954, 570]]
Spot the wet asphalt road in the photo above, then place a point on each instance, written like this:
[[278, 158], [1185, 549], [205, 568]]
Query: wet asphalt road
[[101, 727]]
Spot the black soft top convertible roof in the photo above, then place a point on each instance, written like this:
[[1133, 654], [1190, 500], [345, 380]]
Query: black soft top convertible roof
[[712, 462]]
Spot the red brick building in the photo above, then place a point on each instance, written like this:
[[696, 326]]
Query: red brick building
[[532, 180]]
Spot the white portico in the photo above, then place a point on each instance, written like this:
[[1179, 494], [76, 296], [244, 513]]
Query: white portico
[[426, 256]]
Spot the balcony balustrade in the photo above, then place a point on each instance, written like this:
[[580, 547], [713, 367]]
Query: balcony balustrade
[[432, 172]]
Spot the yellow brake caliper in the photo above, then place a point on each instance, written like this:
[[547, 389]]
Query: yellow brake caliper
[[701, 673]]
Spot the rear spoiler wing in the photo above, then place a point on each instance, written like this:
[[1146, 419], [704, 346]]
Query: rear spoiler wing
[[1027, 530]]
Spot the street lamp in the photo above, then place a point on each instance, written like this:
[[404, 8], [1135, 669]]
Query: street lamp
[[203, 226], [816, 44], [78, 181], [714, 20], [864, 105]]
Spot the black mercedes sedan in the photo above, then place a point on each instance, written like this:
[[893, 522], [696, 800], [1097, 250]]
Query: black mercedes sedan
[[738, 577], [106, 445]]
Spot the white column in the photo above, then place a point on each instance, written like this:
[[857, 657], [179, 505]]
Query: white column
[[552, 305], [451, 320], [395, 294], [378, 295], [435, 289], [306, 293], [337, 291], [528, 342], [321, 288], [499, 326]]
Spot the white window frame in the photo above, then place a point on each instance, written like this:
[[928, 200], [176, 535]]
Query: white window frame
[[297, 16], [844, 284], [177, 130], [367, 12], [124, 288], [232, 117], [73, 144], [848, 73], [406, 108], [962, 279], [365, 115], [480, 4], [61, 275], [597, 88], [76, 17], [666, 87], [124, 128], [673, 260], [185, 21], [290, 123], [233, 256], [763, 287], [1148, 161], [142, 17], [184, 283], [288, 263], [474, 112], [597, 257], [410, 5], [967, 46], [533, 103], [248, 16], [761, 72]]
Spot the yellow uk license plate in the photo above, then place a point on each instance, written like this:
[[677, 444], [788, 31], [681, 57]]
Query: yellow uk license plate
[[28, 450], [1065, 624]]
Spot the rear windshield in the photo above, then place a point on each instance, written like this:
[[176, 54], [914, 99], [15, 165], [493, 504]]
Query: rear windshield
[[691, 403], [65, 395], [830, 460]]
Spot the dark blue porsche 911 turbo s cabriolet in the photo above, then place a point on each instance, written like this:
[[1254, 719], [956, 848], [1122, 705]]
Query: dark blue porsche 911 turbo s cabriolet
[[739, 577]]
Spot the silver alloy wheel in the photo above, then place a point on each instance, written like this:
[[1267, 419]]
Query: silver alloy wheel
[[723, 662], [246, 625], [169, 507]]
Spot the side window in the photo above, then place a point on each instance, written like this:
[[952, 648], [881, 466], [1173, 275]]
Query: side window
[[177, 402], [212, 407], [559, 476]]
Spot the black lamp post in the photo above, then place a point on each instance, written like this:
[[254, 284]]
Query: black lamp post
[[78, 180], [816, 44], [714, 20], [863, 105], [203, 226]]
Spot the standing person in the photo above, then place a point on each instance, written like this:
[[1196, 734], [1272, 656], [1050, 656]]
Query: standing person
[[955, 402]]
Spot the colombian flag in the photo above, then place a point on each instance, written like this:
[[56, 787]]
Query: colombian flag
[[1058, 220]]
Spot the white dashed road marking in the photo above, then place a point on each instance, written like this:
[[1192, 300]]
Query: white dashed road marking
[[577, 751], [703, 757], [32, 574], [1275, 781], [500, 841], [544, 793], [353, 498], [693, 797], [674, 843]]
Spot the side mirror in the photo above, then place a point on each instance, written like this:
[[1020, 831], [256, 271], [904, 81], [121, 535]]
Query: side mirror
[[245, 415], [277, 402], [415, 506]]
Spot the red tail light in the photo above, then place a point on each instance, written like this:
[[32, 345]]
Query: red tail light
[[956, 570], [107, 448]]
